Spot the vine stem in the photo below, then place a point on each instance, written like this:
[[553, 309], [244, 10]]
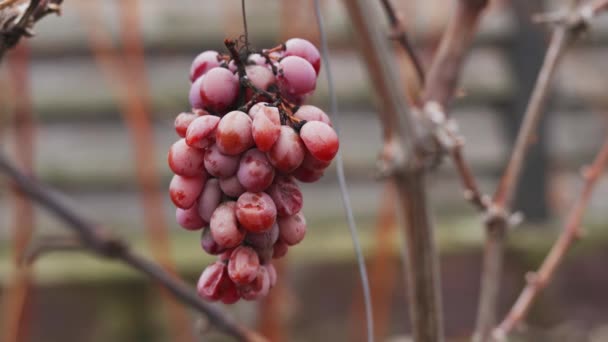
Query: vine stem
[[99, 241]]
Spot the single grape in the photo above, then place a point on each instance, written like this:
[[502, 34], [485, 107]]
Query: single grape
[[313, 163], [261, 77], [288, 151], [189, 219], [224, 226], [258, 288], [305, 49], [292, 228], [255, 172], [229, 292], [243, 265], [184, 191], [296, 76], [185, 160], [219, 164], [286, 195], [308, 175], [233, 134], [265, 239], [210, 281], [231, 186], [182, 121], [312, 113], [256, 212], [194, 96], [209, 245], [204, 62], [272, 274], [219, 89], [210, 198], [201, 132], [280, 249], [320, 139], [266, 127]]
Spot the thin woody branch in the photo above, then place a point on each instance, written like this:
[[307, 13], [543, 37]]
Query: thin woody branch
[[570, 234], [99, 241], [568, 28]]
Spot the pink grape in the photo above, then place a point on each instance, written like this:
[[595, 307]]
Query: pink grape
[[257, 288], [280, 249], [272, 274], [320, 139], [185, 160], [312, 113], [233, 135], [231, 186], [288, 151], [189, 219], [261, 77], [292, 228], [201, 132], [255, 172], [210, 282], [305, 49], [307, 175], [220, 165], [296, 76], [182, 121], [264, 239], [266, 127], [210, 198], [209, 245], [229, 292], [184, 191], [313, 163], [219, 89], [194, 96], [224, 226], [256, 59], [243, 265], [286, 195], [256, 212], [202, 63]]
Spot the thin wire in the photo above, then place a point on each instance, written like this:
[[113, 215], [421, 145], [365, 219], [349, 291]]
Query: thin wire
[[244, 13], [352, 226]]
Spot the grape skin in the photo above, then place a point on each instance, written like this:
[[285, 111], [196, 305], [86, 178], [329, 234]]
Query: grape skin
[[209, 245], [210, 281], [202, 63], [320, 139], [189, 219], [266, 127], [305, 49], [288, 151], [286, 195], [256, 212], [194, 96], [218, 164], [185, 160], [184, 191], [219, 89], [201, 132], [181, 123], [231, 186], [296, 76], [224, 226], [243, 265], [233, 135], [292, 229], [312, 113], [255, 172]]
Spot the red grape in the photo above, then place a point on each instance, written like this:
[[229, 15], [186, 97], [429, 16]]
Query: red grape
[[204, 62], [255, 172], [280, 249], [292, 228], [219, 164], [313, 163], [286, 195], [209, 245], [264, 239], [194, 96], [243, 265], [219, 89], [201, 132], [260, 76], [189, 219], [320, 139], [210, 281], [233, 135], [308, 175], [305, 49], [258, 287], [288, 151], [256, 212], [231, 186], [184, 191], [266, 127], [210, 198], [312, 113], [182, 121], [224, 226], [229, 292], [185, 160], [296, 76]]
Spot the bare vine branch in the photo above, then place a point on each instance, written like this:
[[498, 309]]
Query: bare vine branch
[[99, 241]]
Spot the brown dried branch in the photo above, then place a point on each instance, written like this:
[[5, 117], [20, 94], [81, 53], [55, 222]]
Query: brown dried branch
[[404, 159], [17, 20], [537, 281], [569, 26], [99, 241]]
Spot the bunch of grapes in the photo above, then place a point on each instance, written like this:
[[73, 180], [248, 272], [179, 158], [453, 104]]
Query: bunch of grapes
[[246, 142]]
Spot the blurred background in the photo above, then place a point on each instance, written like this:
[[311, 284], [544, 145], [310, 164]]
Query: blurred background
[[88, 106]]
